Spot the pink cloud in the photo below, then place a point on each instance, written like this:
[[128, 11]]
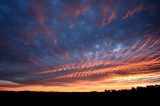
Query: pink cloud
[[133, 11]]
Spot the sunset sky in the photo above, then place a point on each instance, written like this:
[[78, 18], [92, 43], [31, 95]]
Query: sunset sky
[[79, 45]]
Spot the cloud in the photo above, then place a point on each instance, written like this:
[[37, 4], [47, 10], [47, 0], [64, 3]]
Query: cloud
[[132, 12], [55, 43], [8, 83]]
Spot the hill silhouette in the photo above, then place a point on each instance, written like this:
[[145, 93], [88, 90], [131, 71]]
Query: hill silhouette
[[152, 90], [132, 97]]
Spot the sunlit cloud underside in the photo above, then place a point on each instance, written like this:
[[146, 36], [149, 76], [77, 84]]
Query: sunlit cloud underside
[[79, 45]]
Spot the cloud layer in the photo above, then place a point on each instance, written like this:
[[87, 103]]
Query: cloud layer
[[79, 43]]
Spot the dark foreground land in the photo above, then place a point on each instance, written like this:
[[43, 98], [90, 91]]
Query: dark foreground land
[[151, 91], [132, 97]]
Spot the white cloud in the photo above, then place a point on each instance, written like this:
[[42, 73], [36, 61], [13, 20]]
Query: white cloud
[[118, 48], [8, 83]]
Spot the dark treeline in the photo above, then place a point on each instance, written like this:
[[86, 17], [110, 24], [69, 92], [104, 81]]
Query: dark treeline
[[132, 97], [153, 90]]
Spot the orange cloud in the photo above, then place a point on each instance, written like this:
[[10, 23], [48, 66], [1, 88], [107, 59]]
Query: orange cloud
[[133, 11]]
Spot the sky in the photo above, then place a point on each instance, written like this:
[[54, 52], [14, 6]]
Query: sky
[[79, 45]]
